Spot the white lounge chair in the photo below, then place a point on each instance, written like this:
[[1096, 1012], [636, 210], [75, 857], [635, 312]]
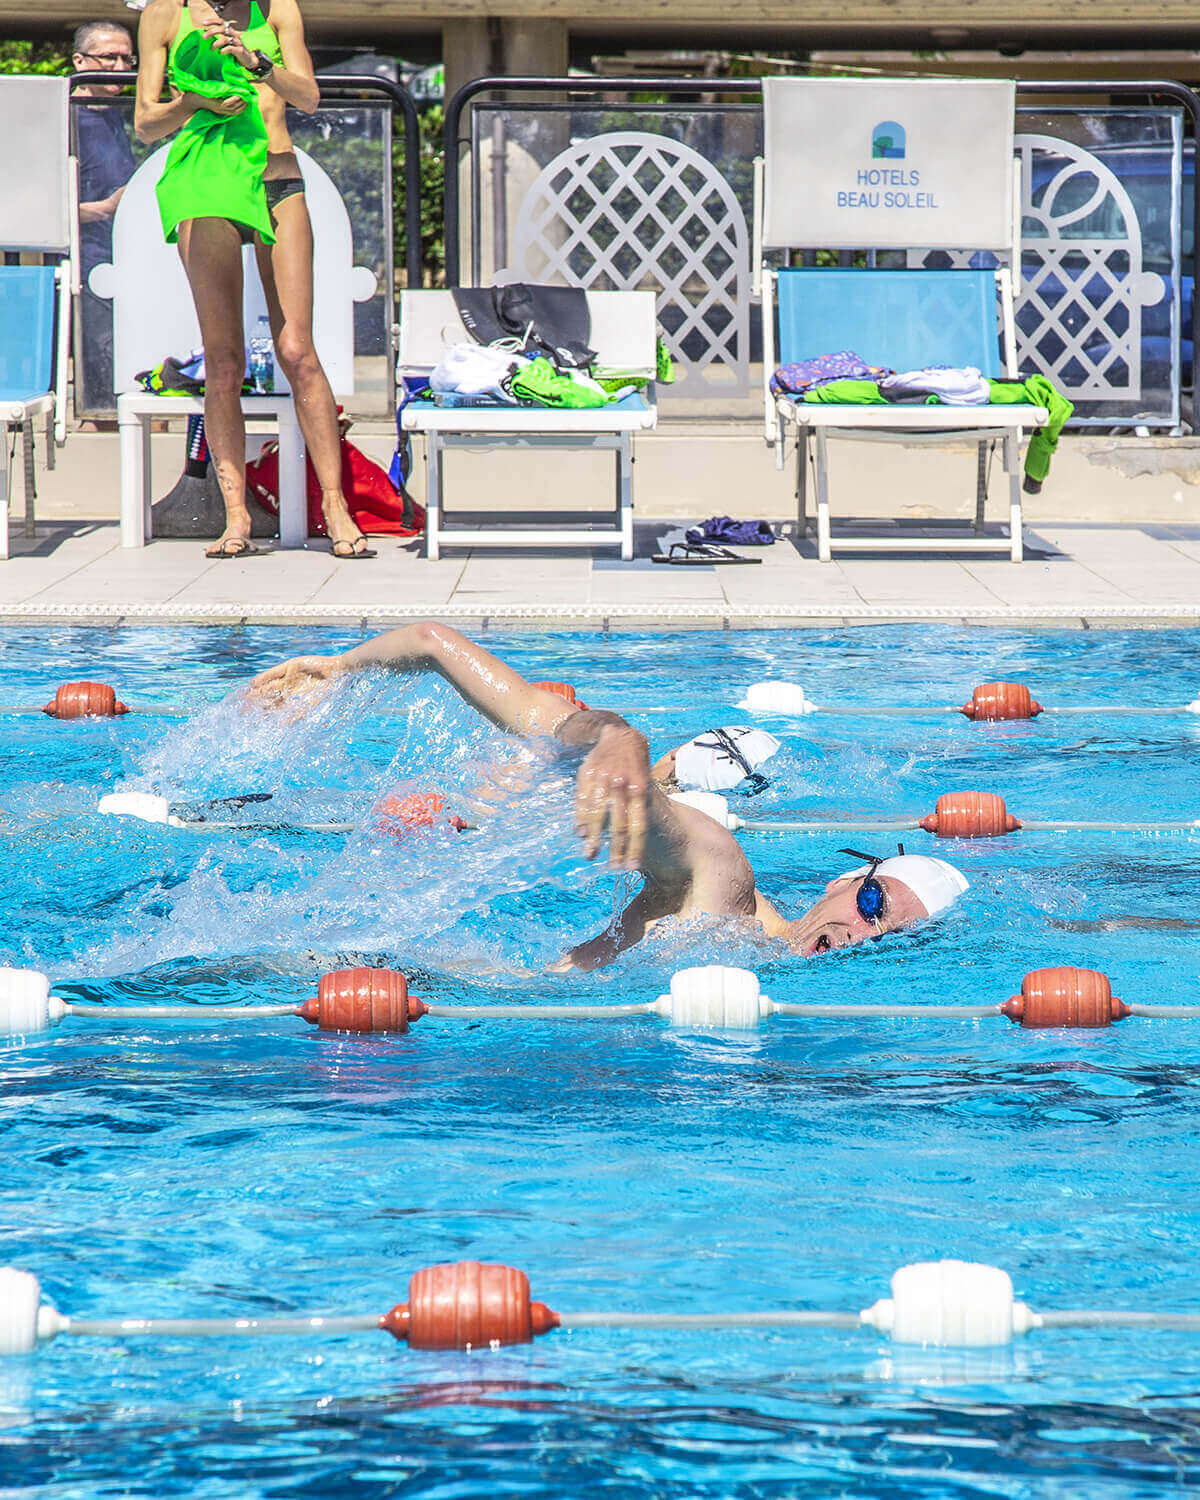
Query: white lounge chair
[[153, 317], [38, 214], [623, 335], [902, 319]]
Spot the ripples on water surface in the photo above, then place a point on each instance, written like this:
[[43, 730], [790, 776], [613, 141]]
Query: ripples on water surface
[[202, 1170]]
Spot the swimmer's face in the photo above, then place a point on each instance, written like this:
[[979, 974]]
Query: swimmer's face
[[835, 921]]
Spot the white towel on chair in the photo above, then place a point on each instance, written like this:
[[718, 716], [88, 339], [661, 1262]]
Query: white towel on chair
[[965, 387]]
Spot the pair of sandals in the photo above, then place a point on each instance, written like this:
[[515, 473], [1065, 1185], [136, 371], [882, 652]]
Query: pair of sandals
[[240, 546]]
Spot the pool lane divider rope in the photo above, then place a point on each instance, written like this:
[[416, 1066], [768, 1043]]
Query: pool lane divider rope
[[957, 815], [396, 816], [470, 1305], [710, 997], [989, 703]]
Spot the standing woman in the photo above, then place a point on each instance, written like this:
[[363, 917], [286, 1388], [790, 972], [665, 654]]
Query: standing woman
[[232, 179]]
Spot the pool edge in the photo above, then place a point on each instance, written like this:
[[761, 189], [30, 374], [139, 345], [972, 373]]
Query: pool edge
[[611, 617]]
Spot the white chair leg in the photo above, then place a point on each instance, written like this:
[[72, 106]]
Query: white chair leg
[[4, 491], [625, 493], [293, 496], [433, 496], [147, 471], [824, 540], [133, 490], [1012, 460]]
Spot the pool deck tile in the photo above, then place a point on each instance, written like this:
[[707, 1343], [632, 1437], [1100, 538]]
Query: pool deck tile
[[1076, 573]]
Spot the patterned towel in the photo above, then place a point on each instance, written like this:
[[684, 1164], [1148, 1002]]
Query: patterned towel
[[807, 374]]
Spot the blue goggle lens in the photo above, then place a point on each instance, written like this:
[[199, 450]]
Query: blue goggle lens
[[870, 899]]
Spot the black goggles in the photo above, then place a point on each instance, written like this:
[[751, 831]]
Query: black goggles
[[721, 740], [870, 898]]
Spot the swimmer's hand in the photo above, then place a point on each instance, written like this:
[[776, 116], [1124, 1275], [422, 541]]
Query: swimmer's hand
[[302, 677], [612, 790]]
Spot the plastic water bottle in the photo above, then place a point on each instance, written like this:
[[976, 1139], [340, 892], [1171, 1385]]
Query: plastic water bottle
[[262, 359]]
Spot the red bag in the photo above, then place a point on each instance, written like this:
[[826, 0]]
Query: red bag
[[378, 507]]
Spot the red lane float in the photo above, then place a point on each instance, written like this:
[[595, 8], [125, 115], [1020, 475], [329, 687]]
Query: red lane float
[[1001, 700], [400, 815], [85, 700], [362, 1000], [468, 1305], [563, 689], [1065, 997], [970, 815]]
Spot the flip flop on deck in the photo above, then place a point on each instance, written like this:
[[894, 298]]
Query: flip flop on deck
[[700, 554]]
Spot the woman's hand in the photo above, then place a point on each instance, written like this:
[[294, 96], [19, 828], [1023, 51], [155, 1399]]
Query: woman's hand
[[233, 105], [227, 39], [302, 677]]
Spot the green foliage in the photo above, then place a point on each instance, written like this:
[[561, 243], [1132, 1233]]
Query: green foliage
[[33, 57]]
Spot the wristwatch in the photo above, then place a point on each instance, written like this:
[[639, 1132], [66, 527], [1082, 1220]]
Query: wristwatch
[[261, 66]]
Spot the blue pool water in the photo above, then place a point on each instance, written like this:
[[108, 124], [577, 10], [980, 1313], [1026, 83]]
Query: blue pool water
[[202, 1170]]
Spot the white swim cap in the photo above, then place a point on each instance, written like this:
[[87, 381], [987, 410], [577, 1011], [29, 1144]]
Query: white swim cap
[[936, 884], [721, 758]]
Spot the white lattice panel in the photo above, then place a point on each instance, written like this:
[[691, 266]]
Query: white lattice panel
[[631, 210], [1079, 314]]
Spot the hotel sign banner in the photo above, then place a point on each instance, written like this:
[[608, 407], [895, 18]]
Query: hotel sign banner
[[888, 163]]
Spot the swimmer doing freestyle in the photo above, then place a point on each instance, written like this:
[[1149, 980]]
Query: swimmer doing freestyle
[[232, 179], [692, 866]]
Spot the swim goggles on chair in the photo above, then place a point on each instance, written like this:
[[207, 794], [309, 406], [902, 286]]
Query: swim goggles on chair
[[870, 898]]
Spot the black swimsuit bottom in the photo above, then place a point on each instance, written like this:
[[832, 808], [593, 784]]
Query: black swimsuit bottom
[[279, 188]]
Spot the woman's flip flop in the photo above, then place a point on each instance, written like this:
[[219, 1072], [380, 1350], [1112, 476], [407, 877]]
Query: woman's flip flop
[[235, 546], [353, 550]]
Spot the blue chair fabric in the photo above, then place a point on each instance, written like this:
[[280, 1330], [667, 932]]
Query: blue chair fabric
[[903, 320], [27, 306]]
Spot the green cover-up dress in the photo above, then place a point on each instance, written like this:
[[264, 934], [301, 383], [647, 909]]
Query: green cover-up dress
[[215, 166]]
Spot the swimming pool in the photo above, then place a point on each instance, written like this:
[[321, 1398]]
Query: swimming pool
[[186, 1169]]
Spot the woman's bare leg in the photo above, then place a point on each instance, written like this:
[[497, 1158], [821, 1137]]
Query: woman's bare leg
[[286, 269], [211, 250]]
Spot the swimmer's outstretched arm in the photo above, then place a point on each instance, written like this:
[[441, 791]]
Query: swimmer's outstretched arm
[[488, 684], [613, 782]]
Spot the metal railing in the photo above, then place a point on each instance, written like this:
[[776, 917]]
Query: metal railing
[[577, 92], [1150, 88], [341, 86], [590, 87]]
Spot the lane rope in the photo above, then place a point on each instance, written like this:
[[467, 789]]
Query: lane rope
[[707, 997], [474, 1305], [989, 702], [957, 815]]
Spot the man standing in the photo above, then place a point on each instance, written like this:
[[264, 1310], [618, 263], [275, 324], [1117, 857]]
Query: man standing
[[105, 165]]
